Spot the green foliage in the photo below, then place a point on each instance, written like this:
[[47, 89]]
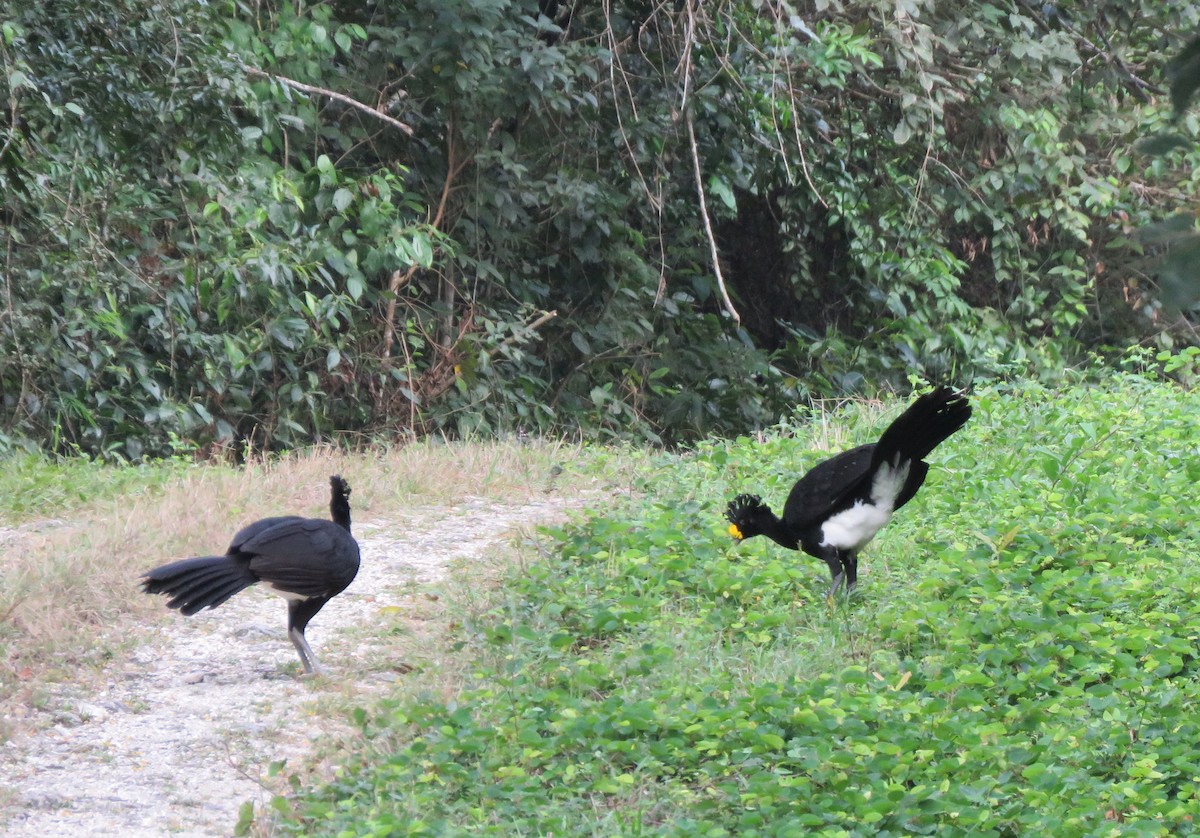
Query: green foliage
[[36, 487], [197, 298], [480, 216], [1020, 658], [97, 126]]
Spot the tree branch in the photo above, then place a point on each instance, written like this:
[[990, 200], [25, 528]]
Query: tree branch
[[1136, 85], [341, 97], [389, 332], [712, 239], [686, 108], [545, 317]]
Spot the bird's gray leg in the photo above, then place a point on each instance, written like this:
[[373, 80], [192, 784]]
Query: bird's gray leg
[[850, 563], [843, 567], [307, 659], [833, 558]]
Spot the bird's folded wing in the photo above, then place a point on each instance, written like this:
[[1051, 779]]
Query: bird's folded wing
[[306, 556], [827, 487]]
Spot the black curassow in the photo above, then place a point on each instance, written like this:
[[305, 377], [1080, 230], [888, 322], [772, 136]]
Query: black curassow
[[839, 506], [308, 561]]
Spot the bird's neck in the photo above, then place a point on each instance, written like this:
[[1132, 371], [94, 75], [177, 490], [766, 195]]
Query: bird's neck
[[340, 513], [775, 529]]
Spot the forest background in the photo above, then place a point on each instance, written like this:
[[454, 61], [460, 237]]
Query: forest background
[[251, 226]]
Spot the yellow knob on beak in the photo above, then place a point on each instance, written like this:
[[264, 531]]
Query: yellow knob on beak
[[735, 532]]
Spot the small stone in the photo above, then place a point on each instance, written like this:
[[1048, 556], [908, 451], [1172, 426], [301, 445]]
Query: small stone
[[91, 711], [194, 677], [252, 630], [45, 800]]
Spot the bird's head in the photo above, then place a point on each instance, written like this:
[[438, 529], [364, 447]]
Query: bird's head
[[746, 514], [339, 486], [339, 501]]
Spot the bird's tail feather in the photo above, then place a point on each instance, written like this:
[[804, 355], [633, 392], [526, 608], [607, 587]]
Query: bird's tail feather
[[196, 583], [925, 425]]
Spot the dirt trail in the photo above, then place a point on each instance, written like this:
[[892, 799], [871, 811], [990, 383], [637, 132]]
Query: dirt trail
[[179, 735]]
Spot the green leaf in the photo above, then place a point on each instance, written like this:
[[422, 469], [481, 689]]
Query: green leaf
[[721, 188], [422, 250], [1193, 470], [1051, 467], [245, 821]]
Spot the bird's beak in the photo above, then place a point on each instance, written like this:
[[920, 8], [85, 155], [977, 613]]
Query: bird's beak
[[735, 532]]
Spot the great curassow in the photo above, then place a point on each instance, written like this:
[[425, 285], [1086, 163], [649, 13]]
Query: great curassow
[[307, 561], [839, 506]]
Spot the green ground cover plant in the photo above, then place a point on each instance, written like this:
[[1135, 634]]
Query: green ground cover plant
[[1019, 658], [36, 486]]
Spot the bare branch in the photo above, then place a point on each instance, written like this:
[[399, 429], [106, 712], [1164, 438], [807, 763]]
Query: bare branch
[[341, 97], [686, 108], [389, 330], [545, 317], [712, 239]]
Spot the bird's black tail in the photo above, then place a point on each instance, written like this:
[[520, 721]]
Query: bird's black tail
[[202, 582], [923, 427]]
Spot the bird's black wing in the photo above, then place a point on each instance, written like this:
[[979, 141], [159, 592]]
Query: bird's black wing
[[257, 528], [305, 556], [828, 487]]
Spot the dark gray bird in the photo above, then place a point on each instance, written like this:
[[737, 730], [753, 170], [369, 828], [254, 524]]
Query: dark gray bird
[[307, 561], [839, 506]]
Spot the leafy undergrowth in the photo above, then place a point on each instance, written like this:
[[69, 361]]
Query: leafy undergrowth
[[1019, 659]]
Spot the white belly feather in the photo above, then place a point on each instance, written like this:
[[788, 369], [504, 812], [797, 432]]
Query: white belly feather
[[851, 528], [288, 595]]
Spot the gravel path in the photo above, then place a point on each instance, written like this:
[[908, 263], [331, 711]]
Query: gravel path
[[177, 736]]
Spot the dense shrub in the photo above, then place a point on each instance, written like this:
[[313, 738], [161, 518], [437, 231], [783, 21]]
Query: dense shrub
[[261, 226]]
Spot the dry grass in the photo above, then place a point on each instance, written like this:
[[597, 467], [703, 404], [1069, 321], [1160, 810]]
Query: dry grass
[[830, 426], [70, 594]]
